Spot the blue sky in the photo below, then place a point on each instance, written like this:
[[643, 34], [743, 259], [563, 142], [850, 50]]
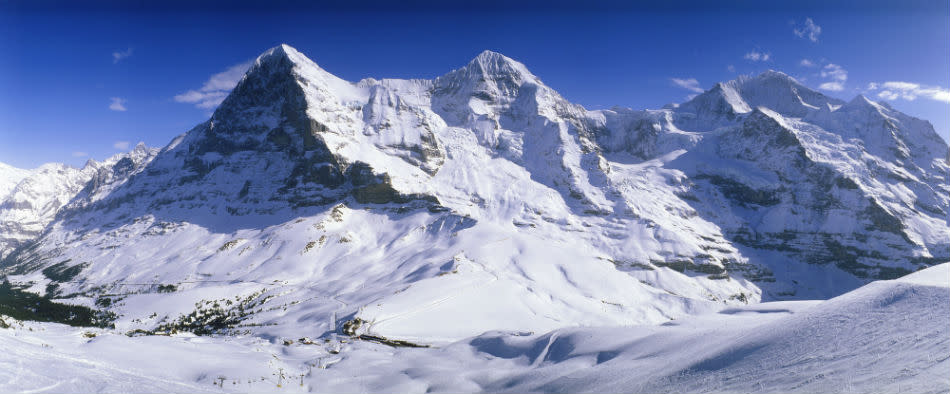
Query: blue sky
[[80, 81]]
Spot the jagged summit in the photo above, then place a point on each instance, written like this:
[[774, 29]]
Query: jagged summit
[[268, 92], [884, 131], [281, 65], [861, 100], [490, 63], [282, 50], [274, 97], [781, 93], [775, 75], [727, 101], [490, 74], [276, 53]]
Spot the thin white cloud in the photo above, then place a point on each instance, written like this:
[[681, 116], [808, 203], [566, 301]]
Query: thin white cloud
[[731, 68], [119, 55], [216, 88], [909, 91], [117, 104], [834, 72], [810, 30], [806, 63], [80, 154], [901, 85], [121, 145], [837, 75], [757, 56], [690, 84], [889, 95], [832, 86]]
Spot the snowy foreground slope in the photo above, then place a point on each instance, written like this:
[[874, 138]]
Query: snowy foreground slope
[[887, 336]]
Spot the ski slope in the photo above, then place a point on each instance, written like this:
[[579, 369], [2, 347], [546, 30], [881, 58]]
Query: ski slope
[[887, 336]]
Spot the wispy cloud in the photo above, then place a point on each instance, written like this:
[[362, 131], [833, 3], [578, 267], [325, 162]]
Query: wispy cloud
[[80, 154], [118, 104], [731, 68], [757, 56], [837, 75], [216, 88], [806, 63], [835, 72], [832, 86], [690, 84], [121, 145], [909, 91], [119, 55], [810, 30]]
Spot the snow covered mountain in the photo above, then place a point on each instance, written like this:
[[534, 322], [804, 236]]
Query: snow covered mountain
[[434, 210], [39, 194], [9, 177]]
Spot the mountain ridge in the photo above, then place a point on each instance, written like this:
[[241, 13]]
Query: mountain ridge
[[402, 203]]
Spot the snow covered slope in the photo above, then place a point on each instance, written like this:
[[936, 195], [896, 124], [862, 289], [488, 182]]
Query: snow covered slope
[[410, 208], [888, 336]]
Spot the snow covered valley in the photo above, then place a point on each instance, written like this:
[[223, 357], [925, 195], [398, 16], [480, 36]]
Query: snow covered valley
[[887, 336]]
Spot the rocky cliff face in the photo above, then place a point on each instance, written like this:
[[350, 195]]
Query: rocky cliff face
[[485, 196]]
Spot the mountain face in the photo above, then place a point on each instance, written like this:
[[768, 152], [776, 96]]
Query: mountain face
[[307, 204]]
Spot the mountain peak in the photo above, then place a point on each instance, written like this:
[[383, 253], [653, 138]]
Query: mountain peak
[[282, 57], [494, 65], [775, 90], [284, 60], [489, 57], [489, 54], [862, 100], [490, 74], [279, 75], [280, 51], [781, 93], [861, 104], [771, 80], [776, 75], [268, 93]]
